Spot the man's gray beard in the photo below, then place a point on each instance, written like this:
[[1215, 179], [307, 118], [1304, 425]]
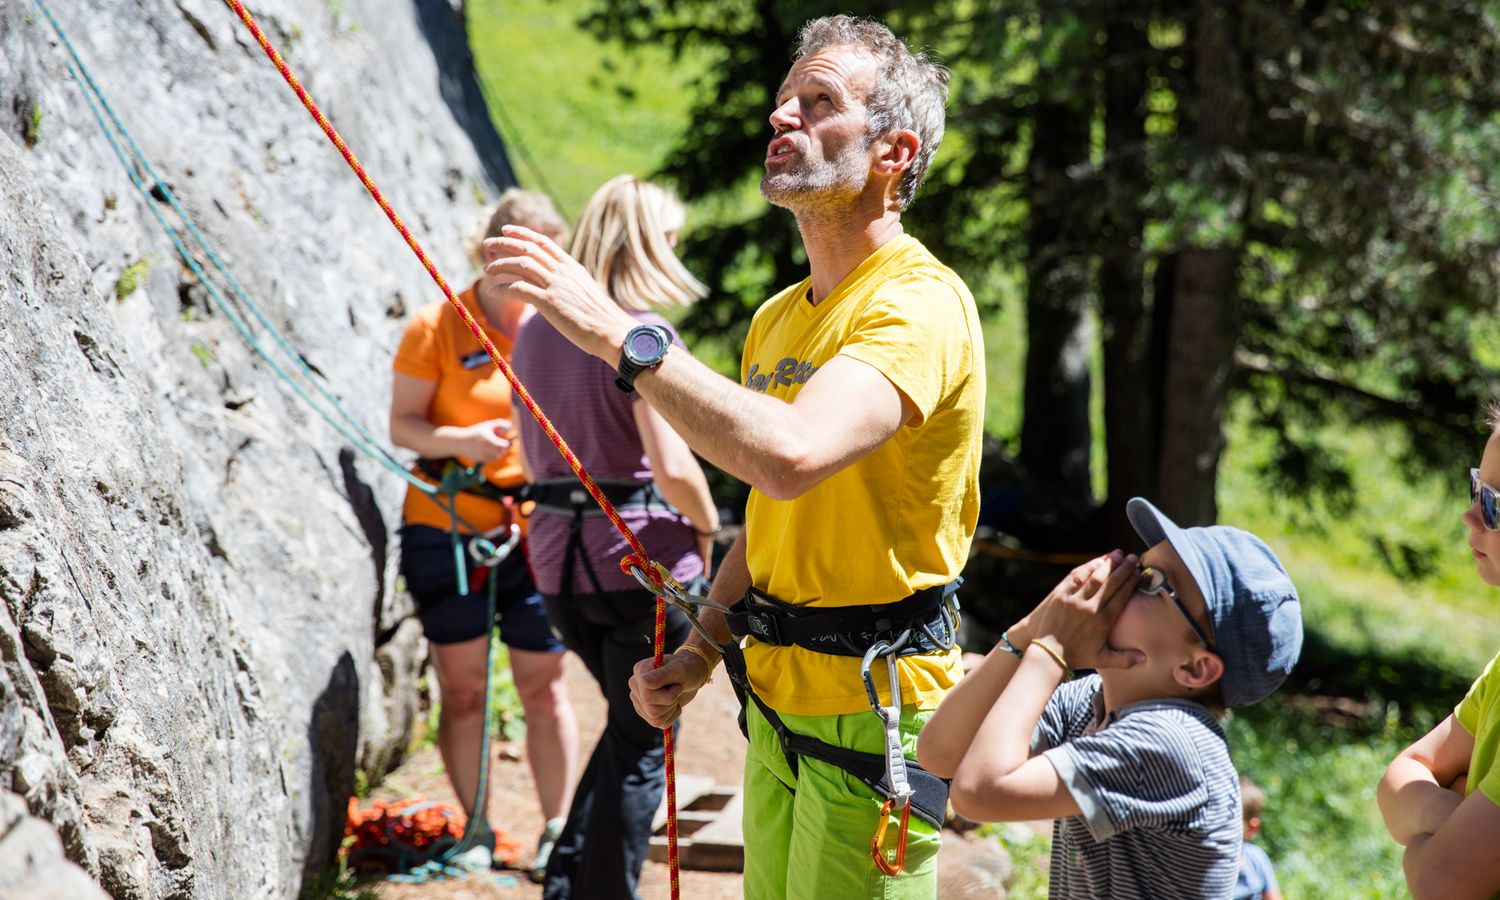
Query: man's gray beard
[[824, 186]]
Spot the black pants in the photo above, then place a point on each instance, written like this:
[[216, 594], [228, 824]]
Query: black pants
[[604, 843]]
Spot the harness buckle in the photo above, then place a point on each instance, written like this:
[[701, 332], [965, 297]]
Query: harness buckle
[[486, 553], [893, 865]]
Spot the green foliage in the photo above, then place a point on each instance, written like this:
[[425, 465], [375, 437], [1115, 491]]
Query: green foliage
[[338, 882], [361, 784], [132, 277], [1321, 827], [202, 352], [505, 702], [1030, 852], [583, 130], [32, 132]]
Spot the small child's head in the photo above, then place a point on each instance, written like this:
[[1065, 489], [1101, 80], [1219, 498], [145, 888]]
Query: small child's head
[[1215, 614], [1483, 515], [1252, 801]]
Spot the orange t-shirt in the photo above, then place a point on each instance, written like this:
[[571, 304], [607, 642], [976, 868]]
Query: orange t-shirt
[[438, 346]]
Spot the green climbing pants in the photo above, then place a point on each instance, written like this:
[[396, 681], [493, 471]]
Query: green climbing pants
[[807, 836]]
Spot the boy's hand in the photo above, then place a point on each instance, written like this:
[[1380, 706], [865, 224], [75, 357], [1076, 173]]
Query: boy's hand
[[1078, 615]]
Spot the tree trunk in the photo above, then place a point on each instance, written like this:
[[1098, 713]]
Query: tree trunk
[[1055, 433], [1203, 325], [1132, 397]]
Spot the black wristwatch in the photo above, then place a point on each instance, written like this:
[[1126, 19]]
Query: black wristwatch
[[645, 348]]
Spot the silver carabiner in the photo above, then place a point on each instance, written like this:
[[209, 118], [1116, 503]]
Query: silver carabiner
[[672, 591], [890, 716], [486, 553]]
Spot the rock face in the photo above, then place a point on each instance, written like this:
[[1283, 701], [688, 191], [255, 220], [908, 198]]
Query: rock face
[[200, 640]]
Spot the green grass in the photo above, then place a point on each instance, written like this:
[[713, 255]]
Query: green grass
[[582, 111]]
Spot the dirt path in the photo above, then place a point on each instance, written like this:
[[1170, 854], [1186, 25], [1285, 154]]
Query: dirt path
[[710, 745]]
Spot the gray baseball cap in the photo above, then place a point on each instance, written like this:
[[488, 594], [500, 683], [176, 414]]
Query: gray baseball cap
[[1257, 618]]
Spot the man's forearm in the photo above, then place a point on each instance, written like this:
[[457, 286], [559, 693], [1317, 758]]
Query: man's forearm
[[741, 432], [729, 586]]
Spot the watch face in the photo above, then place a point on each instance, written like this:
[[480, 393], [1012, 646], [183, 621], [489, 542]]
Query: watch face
[[645, 346]]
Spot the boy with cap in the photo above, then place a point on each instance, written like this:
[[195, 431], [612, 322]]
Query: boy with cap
[[1131, 762]]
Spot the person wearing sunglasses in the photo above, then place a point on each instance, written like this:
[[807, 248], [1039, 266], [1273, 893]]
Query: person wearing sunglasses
[[1131, 761], [1441, 796]]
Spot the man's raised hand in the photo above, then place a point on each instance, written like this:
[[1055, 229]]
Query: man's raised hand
[[540, 272]]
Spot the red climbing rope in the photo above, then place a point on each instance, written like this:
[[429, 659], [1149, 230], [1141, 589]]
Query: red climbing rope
[[638, 558]]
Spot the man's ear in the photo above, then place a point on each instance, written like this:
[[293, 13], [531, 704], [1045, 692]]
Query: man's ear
[[1202, 670], [898, 153]]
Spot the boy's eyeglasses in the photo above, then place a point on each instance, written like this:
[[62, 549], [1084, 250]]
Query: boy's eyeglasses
[[1154, 581], [1488, 499]]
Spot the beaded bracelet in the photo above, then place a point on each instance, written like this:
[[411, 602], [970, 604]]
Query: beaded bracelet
[[1009, 647]]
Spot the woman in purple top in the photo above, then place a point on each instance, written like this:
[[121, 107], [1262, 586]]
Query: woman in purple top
[[625, 238]]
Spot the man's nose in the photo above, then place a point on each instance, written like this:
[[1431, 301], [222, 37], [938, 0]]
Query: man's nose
[[784, 117]]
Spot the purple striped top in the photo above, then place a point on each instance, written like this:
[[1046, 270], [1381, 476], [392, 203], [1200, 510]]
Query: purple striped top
[[578, 393]]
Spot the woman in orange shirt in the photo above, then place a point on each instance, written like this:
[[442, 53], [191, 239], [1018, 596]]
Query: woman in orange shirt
[[450, 402]]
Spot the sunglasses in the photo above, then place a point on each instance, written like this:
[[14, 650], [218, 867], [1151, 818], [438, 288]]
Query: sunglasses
[[1488, 499], [1154, 581]]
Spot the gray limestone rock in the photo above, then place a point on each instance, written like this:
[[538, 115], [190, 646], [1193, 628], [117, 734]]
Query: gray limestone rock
[[200, 636]]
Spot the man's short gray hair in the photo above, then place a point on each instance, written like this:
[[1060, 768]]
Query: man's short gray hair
[[910, 89]]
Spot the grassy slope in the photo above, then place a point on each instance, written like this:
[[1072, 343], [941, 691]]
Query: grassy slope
[[583, 112], [561, 103]]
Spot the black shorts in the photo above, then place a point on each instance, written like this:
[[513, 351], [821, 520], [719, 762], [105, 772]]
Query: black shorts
[[449, 617]]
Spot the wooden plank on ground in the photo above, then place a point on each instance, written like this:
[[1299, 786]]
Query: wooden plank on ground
[[709, 832]]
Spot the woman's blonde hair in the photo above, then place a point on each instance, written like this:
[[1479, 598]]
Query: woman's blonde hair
[[530, 209], [622, 239]]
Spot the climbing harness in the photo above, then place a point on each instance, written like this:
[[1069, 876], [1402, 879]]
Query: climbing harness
[[563, 495], [926, 622]]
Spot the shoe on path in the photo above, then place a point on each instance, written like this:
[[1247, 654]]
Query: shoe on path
[[544, 845]]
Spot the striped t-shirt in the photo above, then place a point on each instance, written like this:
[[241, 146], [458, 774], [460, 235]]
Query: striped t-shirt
[[1160, 798]]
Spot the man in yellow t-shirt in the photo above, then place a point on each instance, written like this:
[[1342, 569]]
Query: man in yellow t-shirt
[[857, 423]]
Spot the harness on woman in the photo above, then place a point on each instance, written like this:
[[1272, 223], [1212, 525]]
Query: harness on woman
[[566, 495]]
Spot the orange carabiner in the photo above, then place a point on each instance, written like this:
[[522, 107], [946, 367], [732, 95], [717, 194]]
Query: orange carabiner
[[887, 866]]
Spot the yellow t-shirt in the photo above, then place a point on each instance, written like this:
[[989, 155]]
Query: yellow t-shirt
[[437, 346], [898, 520], [1479, 714]]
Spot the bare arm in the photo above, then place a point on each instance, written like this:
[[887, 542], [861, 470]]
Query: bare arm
[[998, 779], [780, 449], [1459, 861], [679, 477], [950, 733], [411, 402], [1415, 796]]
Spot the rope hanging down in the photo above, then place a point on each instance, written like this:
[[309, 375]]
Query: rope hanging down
[[294, 371], [638, 561]]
